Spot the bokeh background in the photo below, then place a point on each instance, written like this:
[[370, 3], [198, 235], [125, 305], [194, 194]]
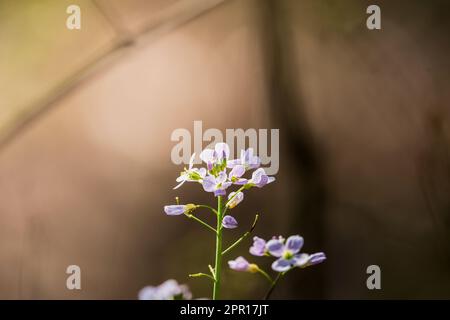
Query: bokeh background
[[86, 118]]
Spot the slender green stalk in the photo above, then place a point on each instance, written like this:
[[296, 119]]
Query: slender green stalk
[[266, 276], [200, 274], [241, 238], [218, 262], [207, 207], [191, 216], [211, 269], [272, 287]]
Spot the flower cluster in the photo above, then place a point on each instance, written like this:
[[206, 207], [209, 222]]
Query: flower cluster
[[287, 253], [218, 175], [215, 178]]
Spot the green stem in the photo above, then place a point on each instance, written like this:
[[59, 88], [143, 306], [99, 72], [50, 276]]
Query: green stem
[[200, 274], [272, 287], [242, 237], [191, 216], [218, 262], [207, 207], [266, 276]]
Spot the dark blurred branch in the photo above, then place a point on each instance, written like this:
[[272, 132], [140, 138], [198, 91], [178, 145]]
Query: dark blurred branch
[[308, 201]]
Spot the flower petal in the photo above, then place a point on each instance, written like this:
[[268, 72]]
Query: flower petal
[[222, 150], [229, 222], [264, 179], [275, 247], [249, 159], [305, 260], [241, 181], [237, 172], [169, 289], [281, 265], [294, 243], [209, 183], [259, 247], [208, 156], [239, 264], [233, 163], [175, 210], [202, 172], [222, 177], [300, 260], [148, 293], [256, 175], [316, 258]]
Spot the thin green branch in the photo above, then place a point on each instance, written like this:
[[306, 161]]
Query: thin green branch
[[272, 287], [201, 274], [191, 216], [207, 207], [269, 278], [211, 269], [242, 237], [218, 259]]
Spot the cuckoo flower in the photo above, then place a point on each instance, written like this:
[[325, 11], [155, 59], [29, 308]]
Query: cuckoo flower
[[191, 174], [307, 260], [234, 199], [259, 179], [241, 264], [259, 247], [168, 290], [229, 222], [218, 156], [236, 173], [247, 160], [175, 210], [178, 209], [218, 184], [288, 254]]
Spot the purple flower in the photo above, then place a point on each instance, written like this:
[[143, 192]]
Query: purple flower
[[288, 254], [259, 247], [307, 260], [234, 199], [229, 222], [168, 290], [191, 174], [260, 178], [242, 265], [218, 184], [247, 160], [175, 210], [211, 157], [236, 173], [239, 264]]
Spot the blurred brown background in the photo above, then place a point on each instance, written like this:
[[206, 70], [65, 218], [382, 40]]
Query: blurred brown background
[[86, 118]]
